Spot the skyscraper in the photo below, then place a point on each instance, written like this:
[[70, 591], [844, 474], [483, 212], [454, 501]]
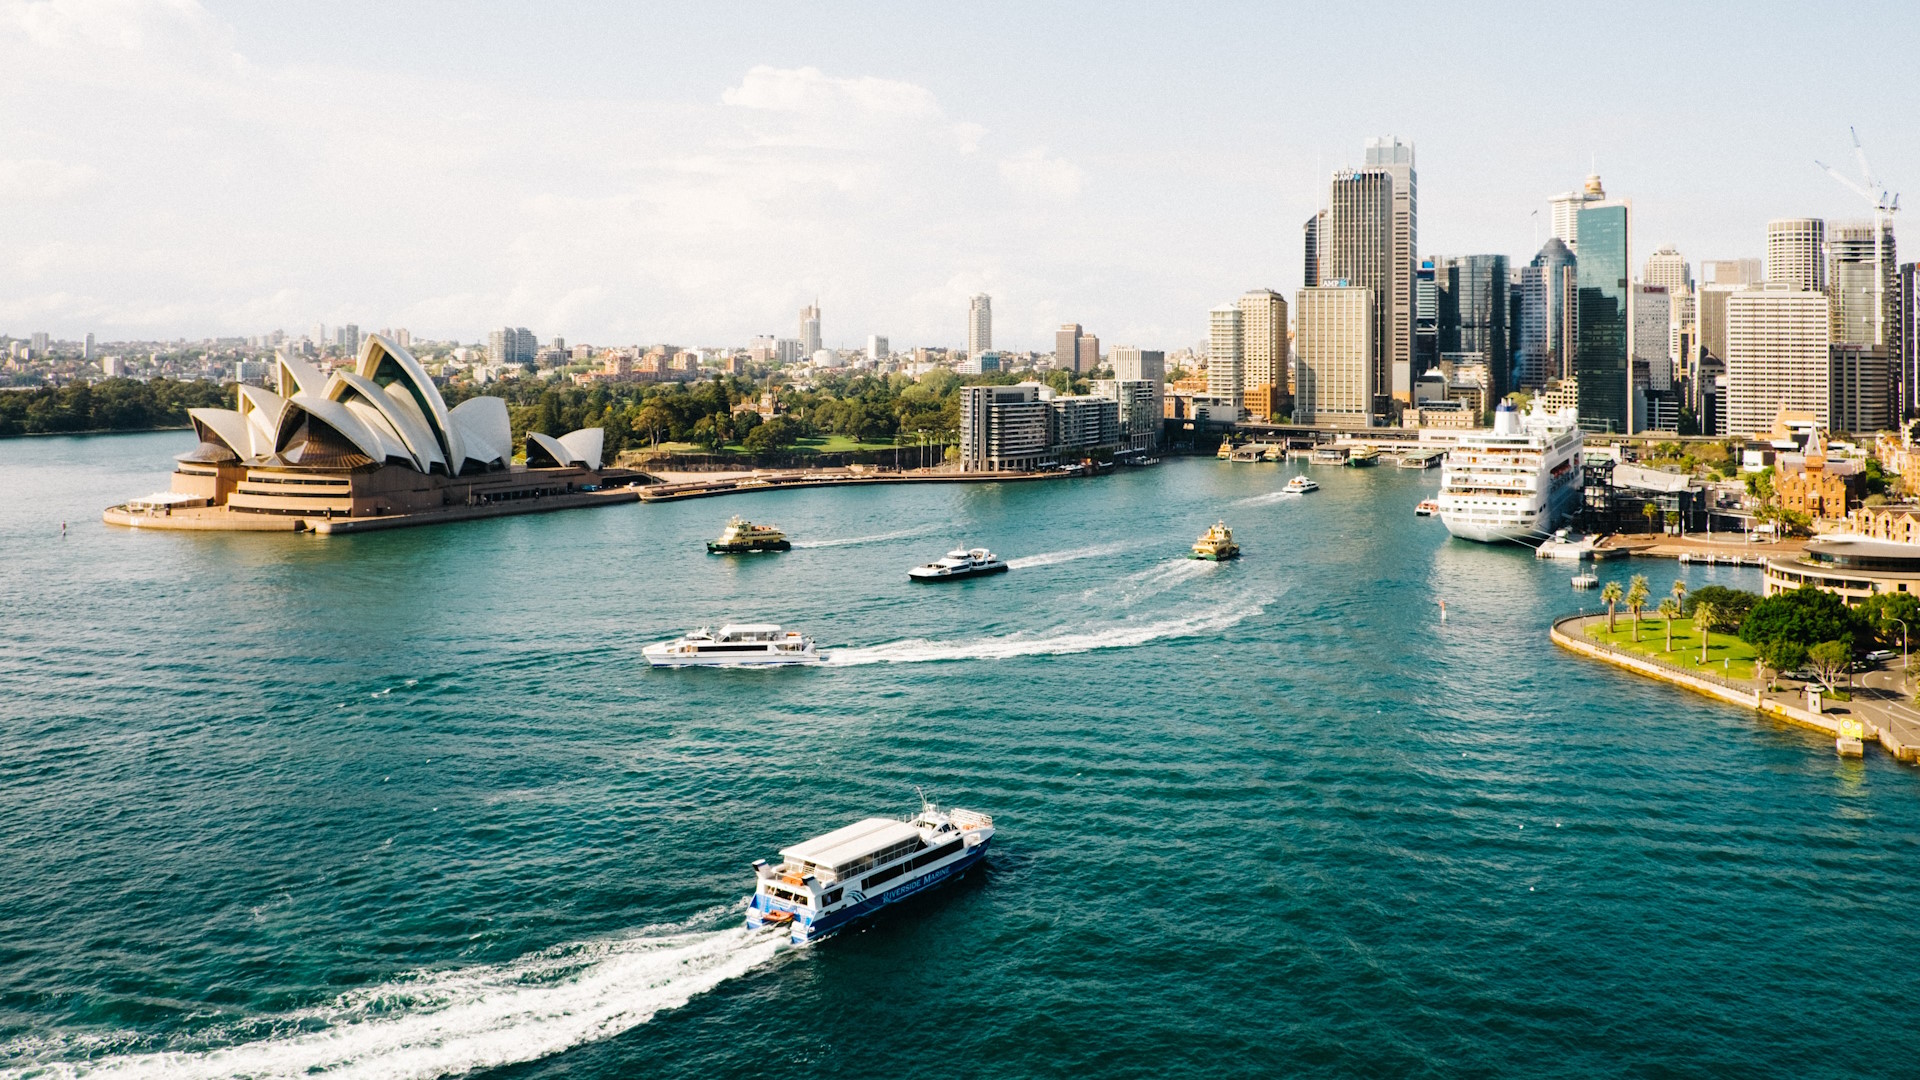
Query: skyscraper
[[1226, 331], [1667, 268], [877, 349], [979, 325], [810, 329], [1357, 251], [1564, 209], [1797, 253], [1480, 293], [1087, 355], [1547, 290], [1777, 357], [1426, 318], [1395, 158], [1334, 356], [1604, 309], [1263, 321], [1861, 290], [1066, 347], [1312, 232], [86, 348]]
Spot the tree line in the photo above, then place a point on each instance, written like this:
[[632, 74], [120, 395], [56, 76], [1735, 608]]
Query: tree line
[[107, 405]]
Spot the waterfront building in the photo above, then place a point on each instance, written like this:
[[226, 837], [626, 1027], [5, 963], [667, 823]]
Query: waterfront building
[[1079, 424], [1395, 157], [1667, 268], [1226, 356], [1602, 360], [372, 439], [1134, 364], [1003, 428], [1546, 332], [1356, 250], [1851, 567], [1139, 410], [1777, 357], [1263, 346], [810, 329], [1797, 254], [979, 324], [1564, 212], [1334, 371], [1066, 347]]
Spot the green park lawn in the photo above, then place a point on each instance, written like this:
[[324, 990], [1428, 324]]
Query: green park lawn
[[824, 444], [1686, 645]]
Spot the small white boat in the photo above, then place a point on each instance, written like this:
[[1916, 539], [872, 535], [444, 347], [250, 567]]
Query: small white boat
[[959, 563], [829, 881], [1427, 508], [741, 645], [1300, 485]]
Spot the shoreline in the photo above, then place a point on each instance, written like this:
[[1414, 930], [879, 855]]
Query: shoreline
[[94, 431], [755, 482]]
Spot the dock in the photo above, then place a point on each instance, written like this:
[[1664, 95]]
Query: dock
[[1420, 459], [779, 480]]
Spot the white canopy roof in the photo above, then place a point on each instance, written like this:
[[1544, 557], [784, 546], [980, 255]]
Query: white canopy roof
[[847, 844]]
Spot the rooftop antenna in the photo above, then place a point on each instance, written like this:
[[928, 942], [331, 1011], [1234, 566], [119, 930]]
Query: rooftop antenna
[[1884, 205]]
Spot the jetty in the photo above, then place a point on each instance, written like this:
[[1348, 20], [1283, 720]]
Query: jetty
[[849, 476]]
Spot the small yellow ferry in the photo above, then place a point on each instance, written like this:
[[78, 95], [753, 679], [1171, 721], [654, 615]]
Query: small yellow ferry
[[1216, 544], [742, 536]]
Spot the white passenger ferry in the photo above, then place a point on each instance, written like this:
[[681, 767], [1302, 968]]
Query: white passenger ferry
[[745, 645], [1515, 481], [829, 881], [960, 563]]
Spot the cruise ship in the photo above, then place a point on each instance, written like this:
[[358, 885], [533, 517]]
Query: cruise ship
[[1515, 481], [829, 881], [735, 645]]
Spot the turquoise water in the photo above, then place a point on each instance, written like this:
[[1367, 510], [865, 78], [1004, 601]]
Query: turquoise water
[[407, 804]]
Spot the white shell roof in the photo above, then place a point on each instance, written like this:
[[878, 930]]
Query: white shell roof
[[846, 844]]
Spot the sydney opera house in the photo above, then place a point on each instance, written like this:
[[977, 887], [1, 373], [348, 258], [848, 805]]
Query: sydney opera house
[[371, 445]]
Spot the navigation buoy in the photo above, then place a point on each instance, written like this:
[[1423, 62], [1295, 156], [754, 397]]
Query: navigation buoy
[[1443, 611]]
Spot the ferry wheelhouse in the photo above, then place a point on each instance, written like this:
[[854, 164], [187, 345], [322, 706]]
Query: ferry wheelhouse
[[1515, 481], [1216, 544], [742, 645], [821, 885]]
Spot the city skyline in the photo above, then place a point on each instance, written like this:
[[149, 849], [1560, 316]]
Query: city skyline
[[197, 171]]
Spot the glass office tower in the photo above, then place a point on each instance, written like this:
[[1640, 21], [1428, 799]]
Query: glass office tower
[[1604, 360]]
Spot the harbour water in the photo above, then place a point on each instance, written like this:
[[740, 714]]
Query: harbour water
[[408, 804]]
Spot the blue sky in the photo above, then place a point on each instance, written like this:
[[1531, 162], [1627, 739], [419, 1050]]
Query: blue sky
[[620, 174]]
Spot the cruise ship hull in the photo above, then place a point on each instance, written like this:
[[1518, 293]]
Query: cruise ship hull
[[1515, 482], [804, 929]]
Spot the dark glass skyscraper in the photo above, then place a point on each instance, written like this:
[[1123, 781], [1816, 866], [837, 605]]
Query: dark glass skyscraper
[[1480, 299], [1545, 338], [1426, 318], [1604, 361]]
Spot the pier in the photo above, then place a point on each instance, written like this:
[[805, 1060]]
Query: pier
[[851, 476]]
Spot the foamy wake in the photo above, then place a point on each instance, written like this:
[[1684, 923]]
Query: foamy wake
[[1268, 497], [445, 1022], [1153, 580], [848, 541], [1051, 557], [921, 650]]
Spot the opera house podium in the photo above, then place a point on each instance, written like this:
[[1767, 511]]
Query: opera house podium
[[370, 446]]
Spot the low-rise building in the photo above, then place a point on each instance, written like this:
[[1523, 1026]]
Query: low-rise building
[[1817, 486], [1852, 567]]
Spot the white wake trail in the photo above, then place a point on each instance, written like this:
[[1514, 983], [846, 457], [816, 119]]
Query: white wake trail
[[1269, 497], [446, 1022], [921, 650], [1052, 557], [880, 538]]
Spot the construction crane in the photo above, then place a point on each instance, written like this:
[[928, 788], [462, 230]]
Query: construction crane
[[1884, 205]]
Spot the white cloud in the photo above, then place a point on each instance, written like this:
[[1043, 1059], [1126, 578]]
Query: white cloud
[[1034, 173], [38, 179]]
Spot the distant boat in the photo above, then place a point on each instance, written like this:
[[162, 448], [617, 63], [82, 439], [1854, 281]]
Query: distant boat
[[960, 563], [1301, 485], [1216, 544], [1364, 457], [742, 536], [1427, 508]]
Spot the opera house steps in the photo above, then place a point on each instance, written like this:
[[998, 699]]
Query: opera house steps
[[371, 446]]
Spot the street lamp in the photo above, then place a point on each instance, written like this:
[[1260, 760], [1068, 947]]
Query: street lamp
[[1903, 645]]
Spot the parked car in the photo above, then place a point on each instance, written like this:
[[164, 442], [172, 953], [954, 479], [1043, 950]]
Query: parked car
[[1880, 655]]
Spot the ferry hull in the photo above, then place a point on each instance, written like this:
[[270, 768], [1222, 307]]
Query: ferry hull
[[664, 659], [956, 575], [714, 547], [805, 930]]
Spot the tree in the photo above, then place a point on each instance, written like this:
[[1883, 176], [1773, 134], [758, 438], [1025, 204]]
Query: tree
[[1830, 660], [1679, 594], [1669, 611], [1884, 613], [776, 434], [1732, 604], [1705, 617], [1651, 513], [1778, 656], [1805, 615], [1610, 595], [1637, 596]]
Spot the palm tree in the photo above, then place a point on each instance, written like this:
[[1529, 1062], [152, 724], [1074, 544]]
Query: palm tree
[[1704, 615], [1610, 596], [1669, 610], [1637, 596], [1679, 593], [1652, 512]]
